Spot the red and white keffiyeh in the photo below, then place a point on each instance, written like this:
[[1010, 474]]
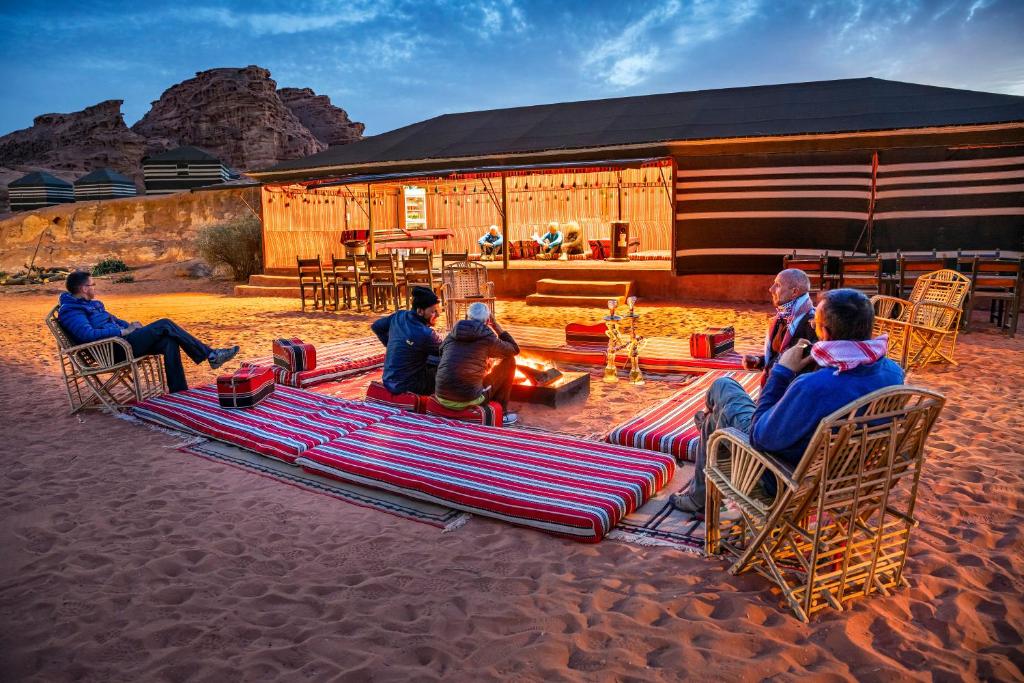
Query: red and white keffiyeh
[[846, 354]]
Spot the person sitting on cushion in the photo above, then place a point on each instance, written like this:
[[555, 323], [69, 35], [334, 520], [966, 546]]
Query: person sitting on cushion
[[844, 365], [463, 379], [85, 319], [412, 345], [573, 242], [550, 243], [490, 244]]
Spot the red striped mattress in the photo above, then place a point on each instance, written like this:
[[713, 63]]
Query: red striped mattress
[[668, 426], [661, 355], [283, 426], [333, 361], [570, 487]]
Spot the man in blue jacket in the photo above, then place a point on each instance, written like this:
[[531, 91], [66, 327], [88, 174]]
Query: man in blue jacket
[[490, 244], [413, 347], [85, 319], [849, 365]]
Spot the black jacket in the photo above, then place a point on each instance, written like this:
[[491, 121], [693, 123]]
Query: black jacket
[[411, 343], [804, 330], [464, 355]]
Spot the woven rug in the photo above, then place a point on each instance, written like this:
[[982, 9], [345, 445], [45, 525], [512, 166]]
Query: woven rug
[[418, 511]]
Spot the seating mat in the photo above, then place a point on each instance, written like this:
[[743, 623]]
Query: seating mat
[[334, 360], [565, 486], [668, 426], [661, 354], [282, 426]]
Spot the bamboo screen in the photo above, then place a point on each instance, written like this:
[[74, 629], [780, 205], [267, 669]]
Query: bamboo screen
[[305, 222]]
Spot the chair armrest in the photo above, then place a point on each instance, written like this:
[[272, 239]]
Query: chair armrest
[[891, 307], [747, 463], [102, 352], [938, 310]]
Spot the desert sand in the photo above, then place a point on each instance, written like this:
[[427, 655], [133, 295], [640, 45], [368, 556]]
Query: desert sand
[[124, 559]]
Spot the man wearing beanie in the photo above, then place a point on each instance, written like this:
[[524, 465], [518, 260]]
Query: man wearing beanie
[[413, 347]]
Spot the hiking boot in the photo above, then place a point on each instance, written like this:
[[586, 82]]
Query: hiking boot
[[221, 356], [686, 502], [509, 419]]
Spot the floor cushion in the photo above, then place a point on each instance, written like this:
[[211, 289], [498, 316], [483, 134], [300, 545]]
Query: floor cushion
[[668, 426], [377, 393], [563, 485], [282, 426], [488, 414]]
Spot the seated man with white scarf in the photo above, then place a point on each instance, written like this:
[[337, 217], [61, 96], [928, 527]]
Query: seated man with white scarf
[[800, 389]]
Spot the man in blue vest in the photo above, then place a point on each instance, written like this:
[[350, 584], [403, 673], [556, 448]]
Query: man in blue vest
[[413, 347]]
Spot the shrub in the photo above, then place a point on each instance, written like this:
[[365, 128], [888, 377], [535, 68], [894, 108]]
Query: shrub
[[237, 244], [124, 278], [108, 266]]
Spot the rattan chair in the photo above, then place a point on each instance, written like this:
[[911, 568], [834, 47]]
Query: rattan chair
[[913, 267], [839, 525], [923, 329], [105, 374], [311, 276], [464, 284]]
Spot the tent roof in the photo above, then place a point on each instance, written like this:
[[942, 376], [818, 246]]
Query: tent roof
[[183, 153], [37, 178], [102, 176], [819, 107]]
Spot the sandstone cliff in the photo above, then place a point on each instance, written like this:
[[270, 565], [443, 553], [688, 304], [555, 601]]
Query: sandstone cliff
[[330, 124], [139, 230], [235, 114]]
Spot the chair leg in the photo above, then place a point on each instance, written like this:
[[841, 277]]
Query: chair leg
[[712, 532]]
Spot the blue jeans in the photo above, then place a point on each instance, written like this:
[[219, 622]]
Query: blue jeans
[[728, 405]]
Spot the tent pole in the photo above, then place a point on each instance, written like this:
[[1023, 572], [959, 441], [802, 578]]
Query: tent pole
[[369, 219], [504, 224], [618, 194]]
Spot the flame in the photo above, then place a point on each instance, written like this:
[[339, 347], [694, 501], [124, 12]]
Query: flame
[[523, 379]]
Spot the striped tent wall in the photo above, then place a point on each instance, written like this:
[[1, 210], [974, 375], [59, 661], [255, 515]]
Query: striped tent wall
[[30, 197], [742, 213], [949, 199], [104, 190], [171, 176]]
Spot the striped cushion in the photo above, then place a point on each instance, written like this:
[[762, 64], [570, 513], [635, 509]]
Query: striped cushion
[[487, 414], [668, 426], [282, 426], [566, 486], [376, 392], [333, 362]]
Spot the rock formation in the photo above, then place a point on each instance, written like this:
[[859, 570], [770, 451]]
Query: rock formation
[[235, 114], [330, 124]]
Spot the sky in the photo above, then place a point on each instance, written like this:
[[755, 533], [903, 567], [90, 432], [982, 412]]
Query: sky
[[389, 63]]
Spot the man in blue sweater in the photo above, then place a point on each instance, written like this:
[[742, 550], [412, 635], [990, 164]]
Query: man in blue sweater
[[850, 365], [413, 347], [85, 319]]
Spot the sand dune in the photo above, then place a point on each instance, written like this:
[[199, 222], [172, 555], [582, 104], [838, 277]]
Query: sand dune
[[124, 559]]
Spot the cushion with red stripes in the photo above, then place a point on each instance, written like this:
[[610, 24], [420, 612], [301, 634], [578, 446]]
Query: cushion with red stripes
[[488, 414], [379, 394], [559, 484], [282, 426], [294, 355], [245, 387], [581, 334], [668, 426]]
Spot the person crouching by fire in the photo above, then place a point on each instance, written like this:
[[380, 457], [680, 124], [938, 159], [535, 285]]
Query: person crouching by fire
[[463, 379]]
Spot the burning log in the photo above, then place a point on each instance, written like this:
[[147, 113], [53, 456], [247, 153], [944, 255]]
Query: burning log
[[535, 373]]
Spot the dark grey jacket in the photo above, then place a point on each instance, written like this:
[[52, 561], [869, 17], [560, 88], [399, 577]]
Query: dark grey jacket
[[464, 354]]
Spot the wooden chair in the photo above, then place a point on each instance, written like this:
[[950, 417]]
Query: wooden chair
[[923, 328], [417, 272], [839, 526], [861, 272], [345, 282], [464, 284], [383, 282], [913, 267], [1002, 281], [816, 268], [311, 276], [105, 374]]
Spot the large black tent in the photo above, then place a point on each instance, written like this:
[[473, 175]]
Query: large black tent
[[37, 190], [182, 168], [104, 183]]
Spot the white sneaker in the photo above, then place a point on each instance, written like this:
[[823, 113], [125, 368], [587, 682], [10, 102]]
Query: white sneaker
[[509, 419]]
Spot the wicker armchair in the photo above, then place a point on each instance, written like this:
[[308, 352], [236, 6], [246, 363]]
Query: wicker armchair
[[839, 526], [923, 328], [465, 283], [104, 374]]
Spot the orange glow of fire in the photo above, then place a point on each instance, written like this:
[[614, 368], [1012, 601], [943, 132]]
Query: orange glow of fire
[[530, 362], [523, 379]]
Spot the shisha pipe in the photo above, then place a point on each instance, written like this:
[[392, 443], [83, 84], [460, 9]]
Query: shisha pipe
[[615, 343], [635, 344]]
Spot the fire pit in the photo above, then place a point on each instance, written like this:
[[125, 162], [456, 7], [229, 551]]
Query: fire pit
[[539, 381]]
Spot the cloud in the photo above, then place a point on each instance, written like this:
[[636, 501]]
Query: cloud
[[316, 17], [620, 59], [633, 69], [488, 18], [706, 20]]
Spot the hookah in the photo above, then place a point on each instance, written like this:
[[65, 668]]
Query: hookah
[[615, 342], [635, 344]]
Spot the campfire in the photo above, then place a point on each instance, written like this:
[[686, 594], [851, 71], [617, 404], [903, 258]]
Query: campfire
[[534, 372], [537, 380]]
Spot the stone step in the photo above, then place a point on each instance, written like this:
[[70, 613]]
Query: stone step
[[599, 288], [577, 300], [258, 290], [274, 280]]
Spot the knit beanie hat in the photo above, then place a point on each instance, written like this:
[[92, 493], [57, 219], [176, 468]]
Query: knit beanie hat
[[423, 297]]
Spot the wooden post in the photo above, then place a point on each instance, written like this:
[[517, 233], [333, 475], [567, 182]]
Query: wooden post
[[369, 220], [618, 195], [504, 225]]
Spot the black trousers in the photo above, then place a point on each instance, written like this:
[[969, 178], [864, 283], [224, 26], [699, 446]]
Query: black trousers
[[500, 378], [166, 338]]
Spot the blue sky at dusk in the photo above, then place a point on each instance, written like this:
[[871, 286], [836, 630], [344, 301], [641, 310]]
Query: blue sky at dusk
[[392, 62]]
